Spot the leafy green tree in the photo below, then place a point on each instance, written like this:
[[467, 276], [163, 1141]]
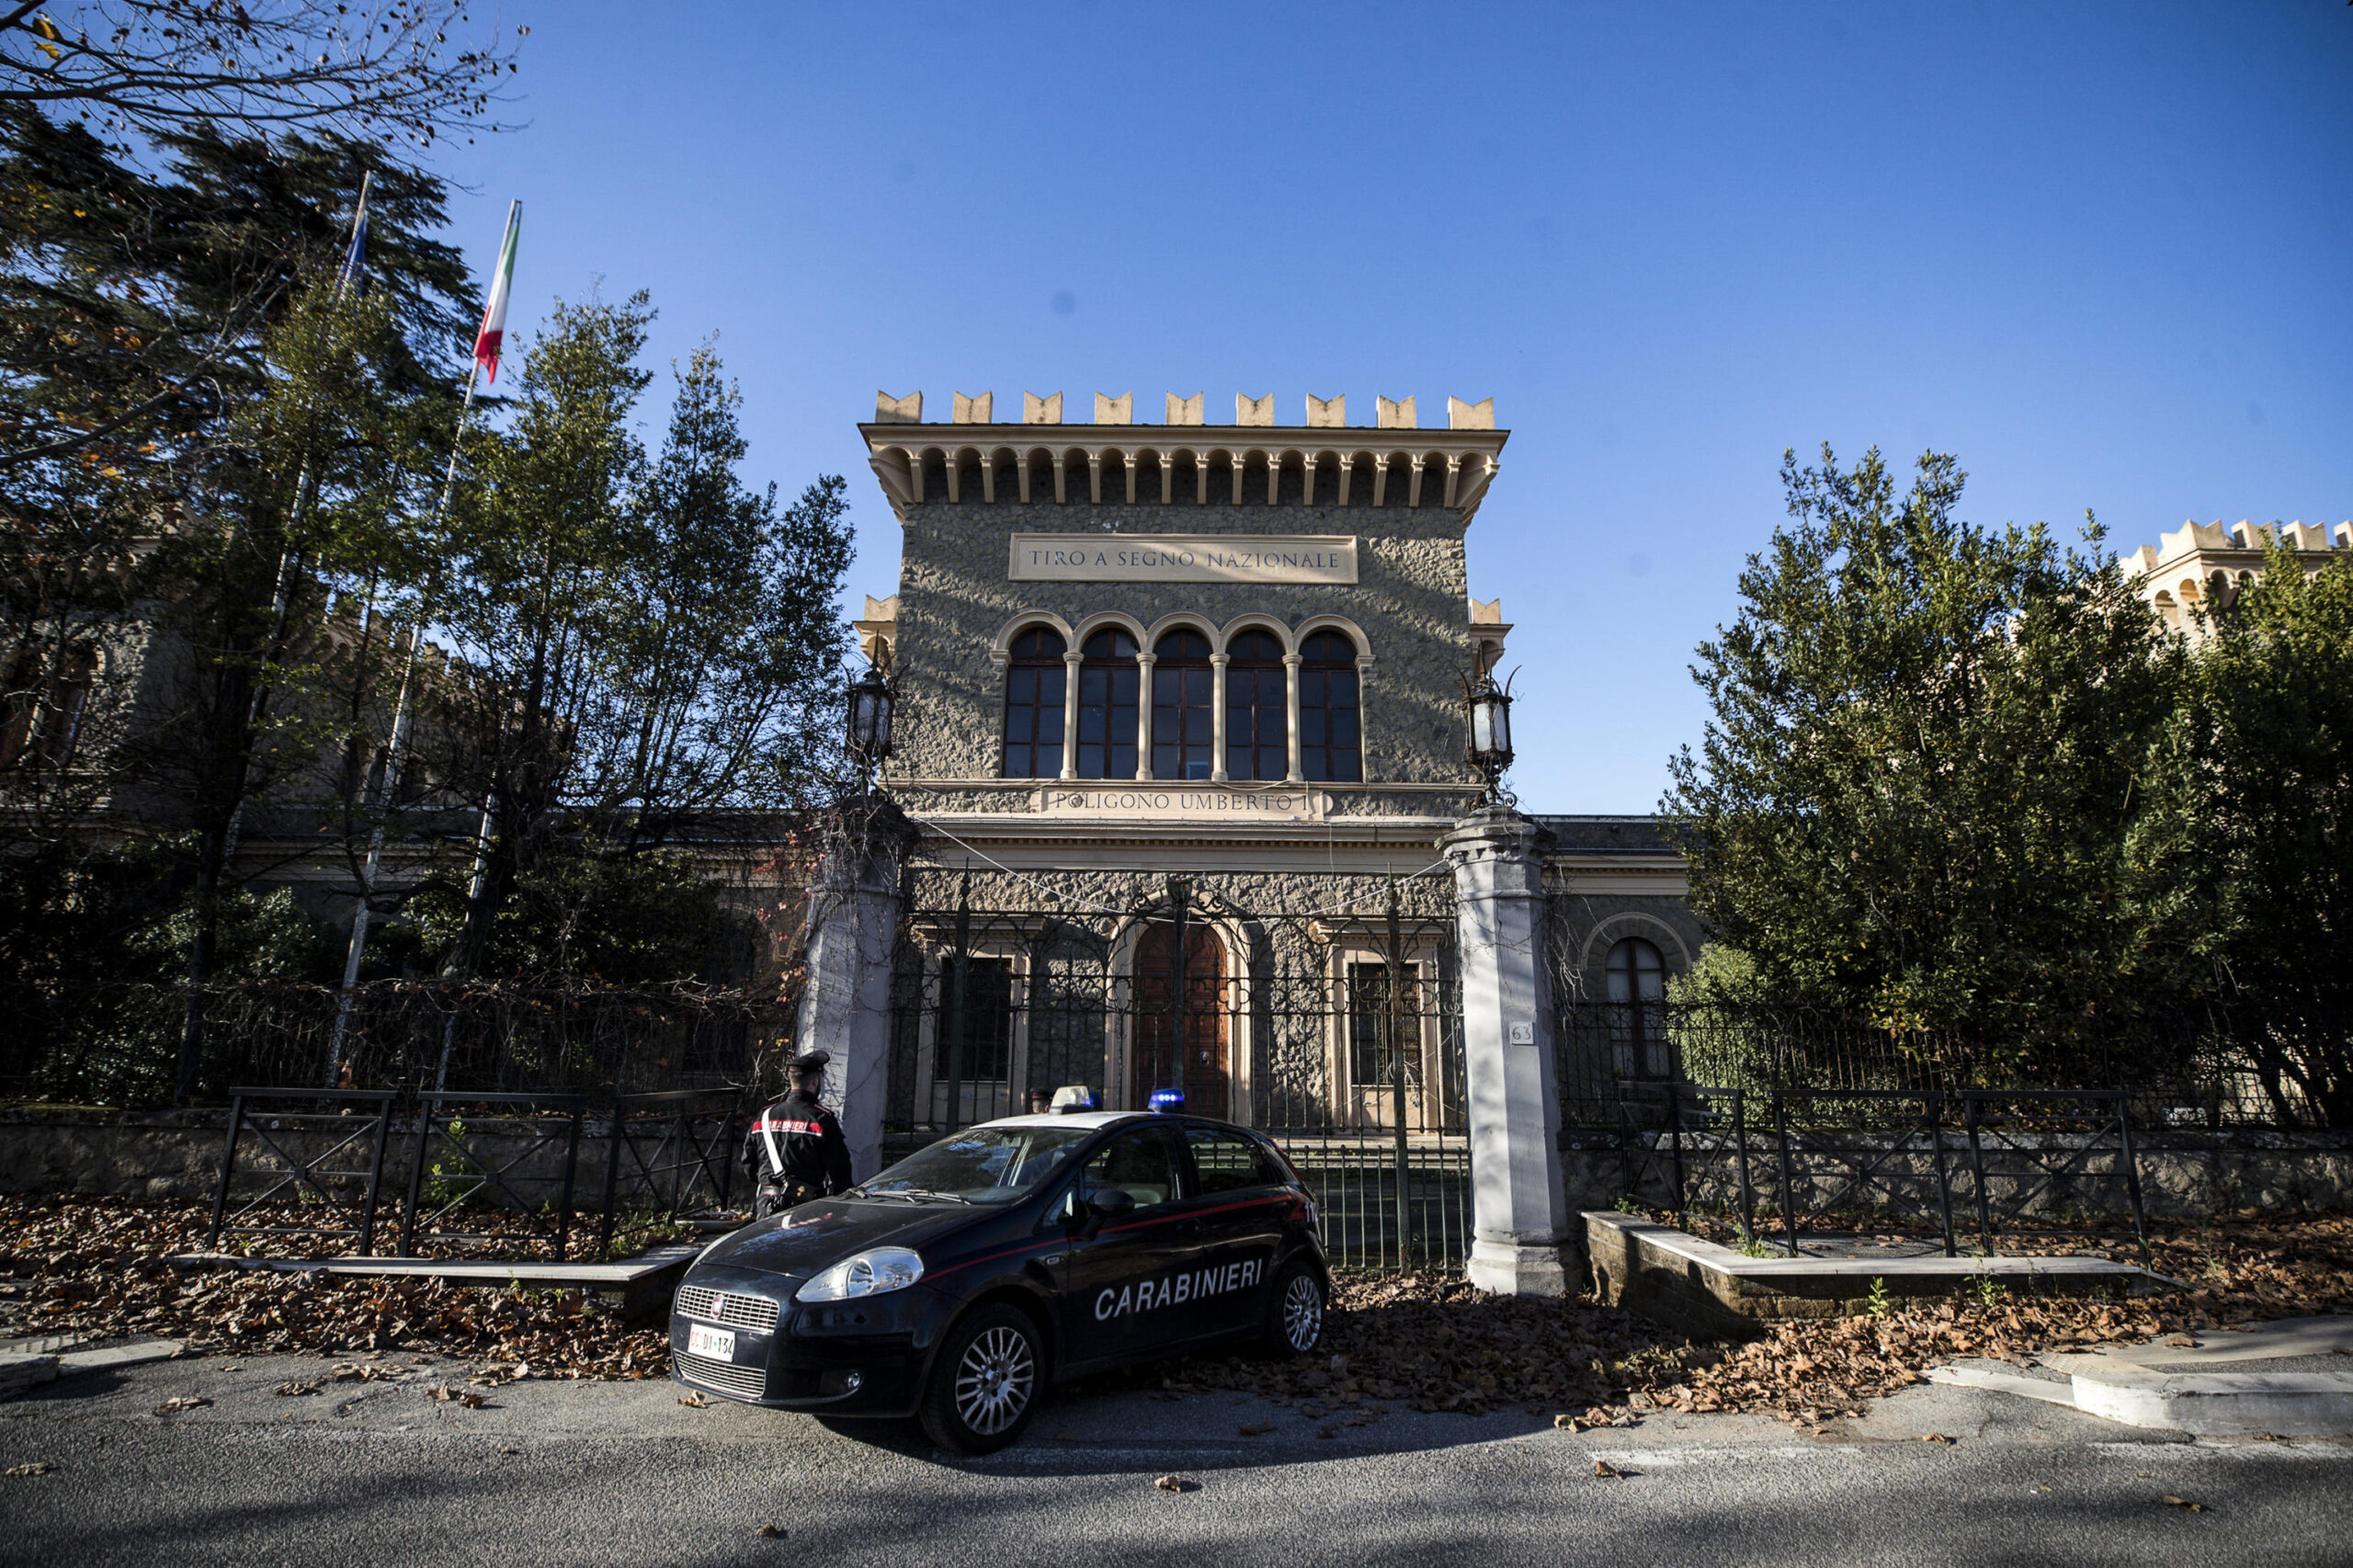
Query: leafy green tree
[[93, 939], [2270, 736], [1923, 793], [721, 649], [650, 642], [538, 544]]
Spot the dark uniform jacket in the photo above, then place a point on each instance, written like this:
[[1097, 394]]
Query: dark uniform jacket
[[809, 1140]]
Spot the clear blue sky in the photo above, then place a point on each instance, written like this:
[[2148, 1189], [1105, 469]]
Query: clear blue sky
[[2104, 253]]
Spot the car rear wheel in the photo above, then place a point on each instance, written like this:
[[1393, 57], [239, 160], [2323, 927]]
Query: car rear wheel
[[985, 1382], [1295, 1316]]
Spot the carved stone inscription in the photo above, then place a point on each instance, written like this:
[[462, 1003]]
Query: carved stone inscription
[[1145, 800], [1182, 557]]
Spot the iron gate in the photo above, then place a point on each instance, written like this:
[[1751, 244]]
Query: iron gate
[[1334, 1029]]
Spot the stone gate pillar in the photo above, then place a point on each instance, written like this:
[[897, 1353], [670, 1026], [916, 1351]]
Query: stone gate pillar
[[1519, 1214], [852, 937]]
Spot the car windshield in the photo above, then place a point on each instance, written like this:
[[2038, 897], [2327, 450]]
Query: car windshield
[[982, 1164]]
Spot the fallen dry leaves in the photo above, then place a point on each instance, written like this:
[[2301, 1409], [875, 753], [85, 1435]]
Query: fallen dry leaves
[[2239, 1270], [32, 1467], [1431, 1342], [97, 1268], [1427, 1341]]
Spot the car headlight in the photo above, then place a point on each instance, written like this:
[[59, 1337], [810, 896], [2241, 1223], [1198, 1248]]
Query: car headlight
[[868, 1273]]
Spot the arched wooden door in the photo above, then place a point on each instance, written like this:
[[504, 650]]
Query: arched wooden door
[[1199, 1024]]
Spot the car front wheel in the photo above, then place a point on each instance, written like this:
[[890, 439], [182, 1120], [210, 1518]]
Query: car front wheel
[[987, 1382], [1295, 1317]]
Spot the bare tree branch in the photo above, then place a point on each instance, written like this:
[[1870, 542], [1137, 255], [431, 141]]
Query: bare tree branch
[[386, 69]]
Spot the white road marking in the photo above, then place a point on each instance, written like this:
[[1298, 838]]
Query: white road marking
[[1665, 1458]]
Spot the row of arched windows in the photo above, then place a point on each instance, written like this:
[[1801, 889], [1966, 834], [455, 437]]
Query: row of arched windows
[[1108, 731]]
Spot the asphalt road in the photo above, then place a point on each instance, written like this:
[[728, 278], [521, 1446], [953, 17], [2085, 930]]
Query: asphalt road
[[622, 1473]]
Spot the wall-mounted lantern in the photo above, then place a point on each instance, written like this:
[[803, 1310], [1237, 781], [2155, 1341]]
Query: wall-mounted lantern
[[869, 738], [1489, 706]]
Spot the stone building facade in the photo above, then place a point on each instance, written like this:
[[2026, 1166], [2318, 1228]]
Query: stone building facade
[[1203, 683], [2198, 567]]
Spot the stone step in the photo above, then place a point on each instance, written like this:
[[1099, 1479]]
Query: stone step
[[1679, 1278]]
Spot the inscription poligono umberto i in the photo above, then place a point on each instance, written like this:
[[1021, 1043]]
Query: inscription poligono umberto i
[[1182, 558], [1146, 800]]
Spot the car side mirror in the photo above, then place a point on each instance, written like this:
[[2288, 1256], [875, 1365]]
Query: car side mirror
[[1110, 1203]]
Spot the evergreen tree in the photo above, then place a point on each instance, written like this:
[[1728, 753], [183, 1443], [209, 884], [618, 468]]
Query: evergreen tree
[[650, 643], [1932, 788]]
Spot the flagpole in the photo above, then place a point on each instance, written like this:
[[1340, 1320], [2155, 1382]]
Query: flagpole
[[362, 910], [305, 481], [289, 554], [403, 708]]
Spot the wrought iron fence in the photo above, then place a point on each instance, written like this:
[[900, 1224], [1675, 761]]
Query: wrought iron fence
[[2181, 1071], [1335, 1029], [488, 1037], [1840, 1153], [669, 1154]]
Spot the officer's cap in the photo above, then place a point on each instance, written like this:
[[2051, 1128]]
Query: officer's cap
[[810, 1062]]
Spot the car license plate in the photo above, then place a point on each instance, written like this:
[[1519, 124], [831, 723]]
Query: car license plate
[[717, 1343]]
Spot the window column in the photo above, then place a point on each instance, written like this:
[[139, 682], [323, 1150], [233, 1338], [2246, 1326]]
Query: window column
[[1217, 718], [1290, 704], [1143, 714], [1071, 661]]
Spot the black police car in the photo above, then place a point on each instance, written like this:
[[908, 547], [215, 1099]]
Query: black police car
[[960, 1283]]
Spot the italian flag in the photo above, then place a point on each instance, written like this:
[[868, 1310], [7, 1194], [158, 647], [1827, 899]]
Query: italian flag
[[494, 315]]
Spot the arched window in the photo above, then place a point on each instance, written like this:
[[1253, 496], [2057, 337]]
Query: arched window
[[1106, 706], [1331, 747], [1637, 978], [41, 710], [1258, 717], [1182, 715], [1034, 685]]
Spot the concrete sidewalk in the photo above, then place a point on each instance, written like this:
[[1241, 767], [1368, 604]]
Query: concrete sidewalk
[[2290, 1379]]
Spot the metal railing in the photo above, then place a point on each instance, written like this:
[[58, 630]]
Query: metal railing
[[478, 1173], [299, 1164]]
